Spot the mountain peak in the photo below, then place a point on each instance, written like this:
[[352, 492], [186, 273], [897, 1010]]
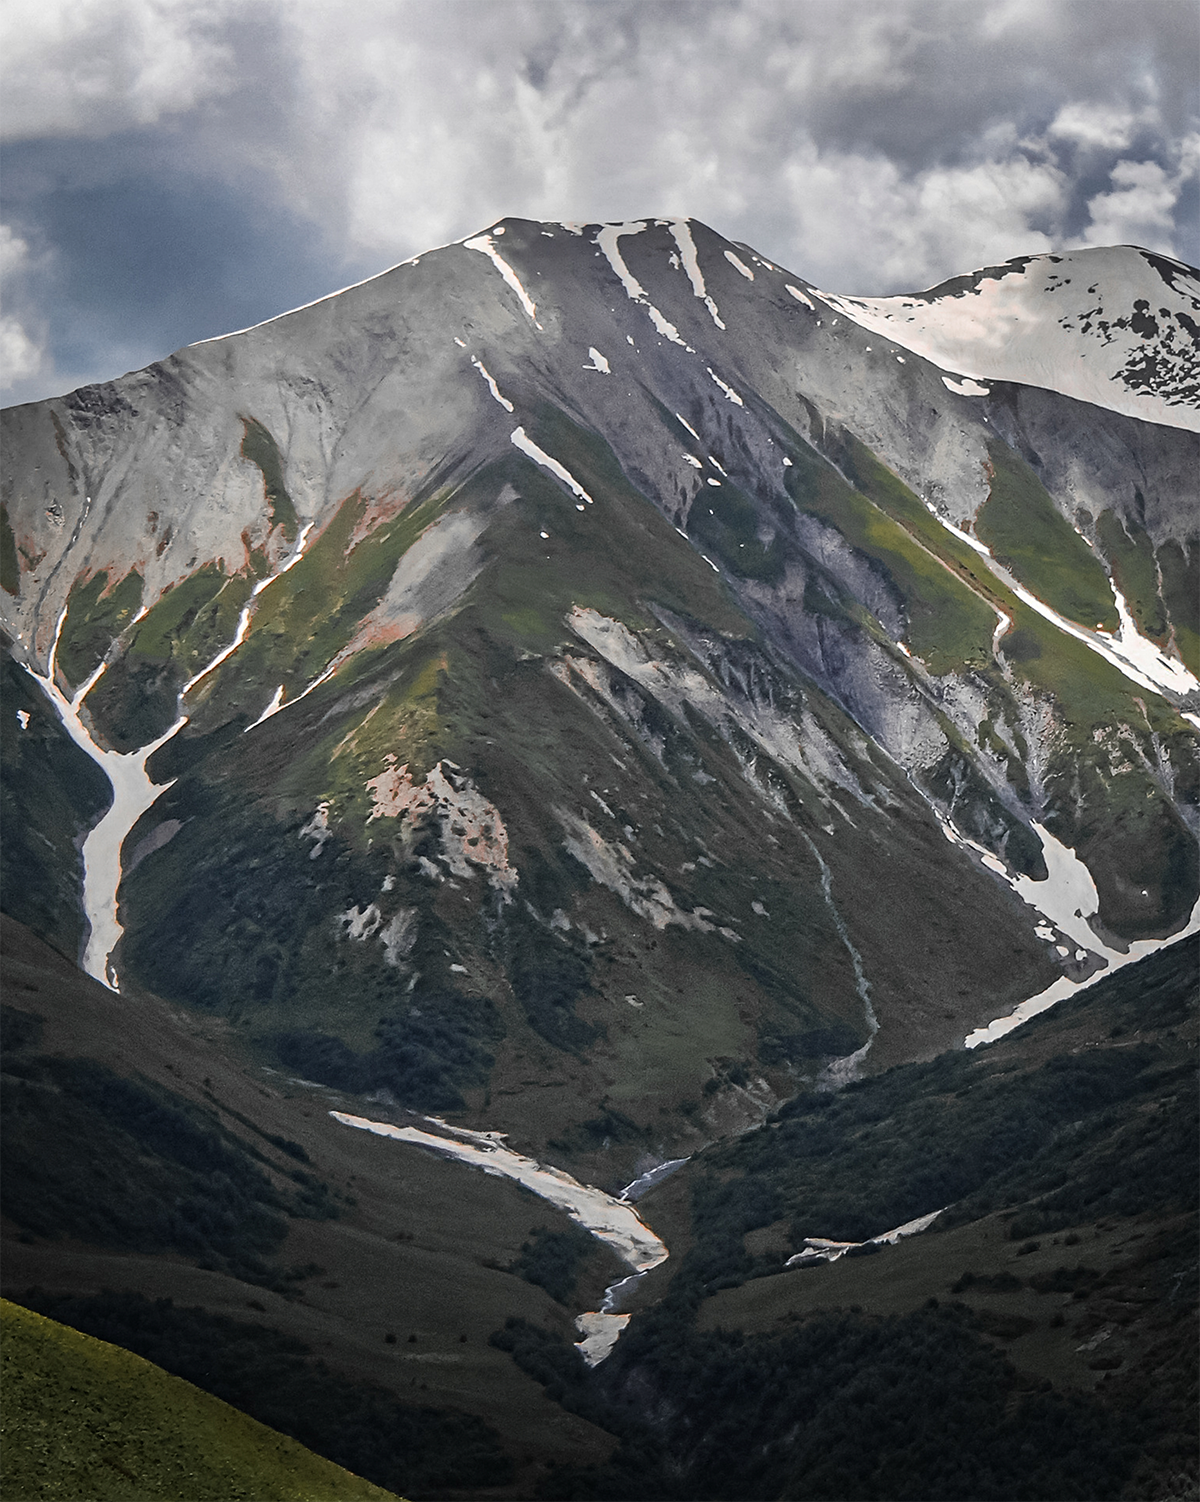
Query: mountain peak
[[1115, 325]]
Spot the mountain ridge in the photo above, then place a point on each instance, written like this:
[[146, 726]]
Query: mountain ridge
[[637, 474]]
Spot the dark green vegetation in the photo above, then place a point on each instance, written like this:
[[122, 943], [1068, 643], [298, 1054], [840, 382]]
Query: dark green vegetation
[[99, 611], [840, 1406], [124, 1163], [991, 1356], [552, 1260], [424, 1053], [421, 1452], [10, 568], [261, 449], [1068, 1138], [51, 793], [83, 1418]]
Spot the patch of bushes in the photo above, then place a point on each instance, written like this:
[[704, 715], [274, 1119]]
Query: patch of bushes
[[552, 1260], [839, 1405], [126, 1163], [424, 1054]]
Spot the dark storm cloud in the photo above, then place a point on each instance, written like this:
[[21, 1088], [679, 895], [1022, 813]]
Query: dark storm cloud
[[191, 166]]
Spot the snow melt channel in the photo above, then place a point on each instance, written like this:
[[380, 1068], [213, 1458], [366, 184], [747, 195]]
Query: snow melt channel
[[1068, 900], [133, 790], [613, 1221]]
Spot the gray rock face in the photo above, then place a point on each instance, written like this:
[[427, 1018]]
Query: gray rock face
[[644, 546]]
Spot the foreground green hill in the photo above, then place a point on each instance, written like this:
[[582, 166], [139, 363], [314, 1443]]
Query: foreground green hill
[[85, 1419]]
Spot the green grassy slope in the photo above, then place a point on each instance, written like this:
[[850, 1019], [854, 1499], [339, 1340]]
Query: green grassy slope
[[83, 1418]]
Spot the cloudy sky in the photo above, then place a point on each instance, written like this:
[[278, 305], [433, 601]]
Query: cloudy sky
[[178, 168]]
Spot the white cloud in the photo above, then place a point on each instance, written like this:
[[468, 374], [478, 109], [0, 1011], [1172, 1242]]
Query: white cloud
[[1099, 125], [21, 356], [422, 122], [1141, 205], [92, 66]]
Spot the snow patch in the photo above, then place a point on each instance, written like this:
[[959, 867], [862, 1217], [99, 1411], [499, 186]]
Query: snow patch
[[799, 296], [1069, 900], [599, 363], [539, 456], [492, 387], [613, 1221], [821, 1249], [739, 265], [1106, 325], [964, 387], [730, 393], [681, 233], [483, 244]]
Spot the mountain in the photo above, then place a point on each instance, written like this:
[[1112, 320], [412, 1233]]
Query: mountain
[[1117, 326], [586, 686], [613, 620]]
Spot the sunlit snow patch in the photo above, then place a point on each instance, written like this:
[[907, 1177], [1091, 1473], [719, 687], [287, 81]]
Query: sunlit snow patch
[[739, 265], [965, 387], [483, 244], [539, 456], [598, 362], [799, 296]]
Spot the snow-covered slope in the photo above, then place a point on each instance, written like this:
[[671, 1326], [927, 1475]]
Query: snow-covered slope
[[1117, 326]]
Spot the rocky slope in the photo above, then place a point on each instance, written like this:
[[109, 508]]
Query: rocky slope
[[599, 687]]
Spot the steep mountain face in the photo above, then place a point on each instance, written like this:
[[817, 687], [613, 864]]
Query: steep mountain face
[[586, 680]]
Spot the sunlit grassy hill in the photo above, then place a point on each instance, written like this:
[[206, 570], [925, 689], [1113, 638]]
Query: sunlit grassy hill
[[85, 1419]]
